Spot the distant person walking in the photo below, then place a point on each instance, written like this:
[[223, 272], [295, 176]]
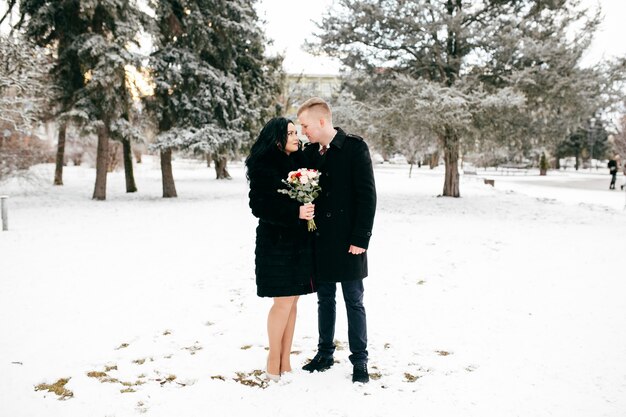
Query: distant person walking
[[612, 165]]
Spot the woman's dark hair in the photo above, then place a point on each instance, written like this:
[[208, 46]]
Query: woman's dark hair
[[273, 136]]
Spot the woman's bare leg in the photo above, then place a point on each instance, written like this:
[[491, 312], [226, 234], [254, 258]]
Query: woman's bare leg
[[285, 362], [277, 320]]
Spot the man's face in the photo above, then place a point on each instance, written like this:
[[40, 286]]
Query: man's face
[[311, 125]]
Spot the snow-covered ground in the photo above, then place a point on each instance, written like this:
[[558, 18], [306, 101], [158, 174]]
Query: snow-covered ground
[[510, 301]]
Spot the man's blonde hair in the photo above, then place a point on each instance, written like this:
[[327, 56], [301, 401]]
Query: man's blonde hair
[[317, 104]]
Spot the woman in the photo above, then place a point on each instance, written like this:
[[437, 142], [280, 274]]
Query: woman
[[284, 262]]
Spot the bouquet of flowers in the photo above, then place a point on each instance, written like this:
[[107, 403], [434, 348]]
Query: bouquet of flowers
[[303, 186]]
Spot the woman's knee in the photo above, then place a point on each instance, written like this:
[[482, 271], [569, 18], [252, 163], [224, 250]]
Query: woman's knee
[[284, 303]]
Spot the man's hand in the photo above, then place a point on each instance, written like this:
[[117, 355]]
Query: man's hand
[[355, 250]]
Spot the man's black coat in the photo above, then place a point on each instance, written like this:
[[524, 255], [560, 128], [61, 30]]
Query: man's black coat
[[344, 211]]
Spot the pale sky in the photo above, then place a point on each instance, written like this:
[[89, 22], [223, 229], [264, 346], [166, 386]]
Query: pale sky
[[290, 23]]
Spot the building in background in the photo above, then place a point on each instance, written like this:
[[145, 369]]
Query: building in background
[[300, 87]]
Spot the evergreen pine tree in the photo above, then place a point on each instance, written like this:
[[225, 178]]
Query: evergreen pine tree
[[54, 25], [213, 84], [590, 141], [91, 39]]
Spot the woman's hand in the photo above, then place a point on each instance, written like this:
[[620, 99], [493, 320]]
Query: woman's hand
[[307, 211]]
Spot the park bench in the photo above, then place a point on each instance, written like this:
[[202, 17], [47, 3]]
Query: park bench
[[512, 169]]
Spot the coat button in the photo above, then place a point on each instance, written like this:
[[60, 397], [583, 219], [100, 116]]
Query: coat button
[[328, 214], [369, 233], [317, 234]]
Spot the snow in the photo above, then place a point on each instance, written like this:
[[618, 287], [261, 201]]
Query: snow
[[508, 301]]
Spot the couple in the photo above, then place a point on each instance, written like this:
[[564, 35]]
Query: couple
[[290, 261]]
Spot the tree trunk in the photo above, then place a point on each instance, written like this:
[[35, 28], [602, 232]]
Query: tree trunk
[[77, 158], [220, 167], [451, 158], [102, 162], [208, 160], [114, 156], [411, 169], [434, 160], [138, 155], [169, 188], [58, 172], [131, 187], [543, 165]]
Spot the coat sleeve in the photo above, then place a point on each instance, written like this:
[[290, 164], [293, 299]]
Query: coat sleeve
[[268, 204], [365, 195]]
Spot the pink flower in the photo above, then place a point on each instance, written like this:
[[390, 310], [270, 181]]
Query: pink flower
[[303, 187]]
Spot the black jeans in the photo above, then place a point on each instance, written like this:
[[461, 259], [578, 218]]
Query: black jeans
[[357, 325]]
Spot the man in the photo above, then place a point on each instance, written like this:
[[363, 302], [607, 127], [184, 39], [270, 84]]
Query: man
[[344, 214], [612, 165]]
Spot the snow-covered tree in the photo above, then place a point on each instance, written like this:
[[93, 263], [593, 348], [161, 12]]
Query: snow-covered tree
[[25, 96], [261, 76], [25, 88], [465, 52], [561, 95], [65, 72], [91, 40], [619, 139], [385, 122], [590, 141], [213, 84]]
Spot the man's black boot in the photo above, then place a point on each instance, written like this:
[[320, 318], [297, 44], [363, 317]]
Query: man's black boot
[[319, 363], [360, 374]]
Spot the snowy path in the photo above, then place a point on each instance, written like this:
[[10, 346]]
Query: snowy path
[[567, 186], [506, 302]]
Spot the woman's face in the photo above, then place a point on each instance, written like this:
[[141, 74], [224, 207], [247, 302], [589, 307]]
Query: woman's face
[[293, 143]]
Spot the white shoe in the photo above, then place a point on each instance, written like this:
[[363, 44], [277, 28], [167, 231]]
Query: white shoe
[[272, 377]]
